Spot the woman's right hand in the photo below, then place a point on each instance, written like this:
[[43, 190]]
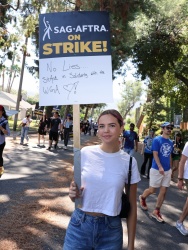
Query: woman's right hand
[[74, 192]]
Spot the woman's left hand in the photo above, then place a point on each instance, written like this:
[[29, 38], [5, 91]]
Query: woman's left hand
[[74, 192]]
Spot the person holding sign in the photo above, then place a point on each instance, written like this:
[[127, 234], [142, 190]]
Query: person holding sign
[[104, 174]]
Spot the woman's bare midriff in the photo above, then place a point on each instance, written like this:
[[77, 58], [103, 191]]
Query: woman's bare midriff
[[95, 214]]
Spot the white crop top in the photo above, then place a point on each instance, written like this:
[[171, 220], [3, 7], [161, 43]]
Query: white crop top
[[103, 177]]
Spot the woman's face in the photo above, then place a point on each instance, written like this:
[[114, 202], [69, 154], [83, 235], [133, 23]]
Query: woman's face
[[55, 115], [109, 129]]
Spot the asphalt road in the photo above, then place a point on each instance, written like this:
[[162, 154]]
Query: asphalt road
[[28, 166]]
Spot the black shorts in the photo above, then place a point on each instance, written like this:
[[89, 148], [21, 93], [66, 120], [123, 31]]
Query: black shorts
[[53, 136], [41, 131]]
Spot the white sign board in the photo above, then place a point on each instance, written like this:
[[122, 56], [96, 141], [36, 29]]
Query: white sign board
[[78, 80], [75, 58]]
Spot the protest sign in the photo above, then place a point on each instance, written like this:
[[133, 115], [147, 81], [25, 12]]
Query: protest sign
[[75, 58], [75, 66]]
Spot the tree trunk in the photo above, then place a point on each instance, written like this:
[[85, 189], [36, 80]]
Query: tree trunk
[[67, 108], [3, 79], [10, 76], [49, 111], [92, 110], [127, 111], [185, 114], [77, 5], [86, 113], [12, 80], [182, 78]]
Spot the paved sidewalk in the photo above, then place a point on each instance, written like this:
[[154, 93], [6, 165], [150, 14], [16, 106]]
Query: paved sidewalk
[[35, 208]]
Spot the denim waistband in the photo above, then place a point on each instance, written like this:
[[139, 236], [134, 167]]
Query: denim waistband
[[91, 218]]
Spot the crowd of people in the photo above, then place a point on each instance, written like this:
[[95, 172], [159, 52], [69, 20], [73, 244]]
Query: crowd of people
[[168, 156], [89, 127], [55, 129], [104, 175]]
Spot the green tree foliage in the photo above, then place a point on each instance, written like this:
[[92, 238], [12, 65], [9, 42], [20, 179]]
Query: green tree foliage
[[143, 29], [122, 34], [161, 47], [121, 13], [89, 109], [33, 99], [155, 107], [131, 93], [8, 41], [7, 38]]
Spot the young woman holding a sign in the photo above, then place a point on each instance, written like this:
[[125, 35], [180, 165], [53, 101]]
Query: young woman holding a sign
[[104, 172]]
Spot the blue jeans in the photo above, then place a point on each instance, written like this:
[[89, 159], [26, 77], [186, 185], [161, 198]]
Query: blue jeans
[[129, 151], [86, 232], [24, 134]]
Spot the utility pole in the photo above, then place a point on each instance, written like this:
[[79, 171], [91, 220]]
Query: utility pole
[[20, 85]]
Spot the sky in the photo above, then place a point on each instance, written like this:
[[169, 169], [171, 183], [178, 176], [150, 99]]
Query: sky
[[117, 86]]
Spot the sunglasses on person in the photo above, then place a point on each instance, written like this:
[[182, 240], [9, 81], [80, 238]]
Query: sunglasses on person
[[169, 128]]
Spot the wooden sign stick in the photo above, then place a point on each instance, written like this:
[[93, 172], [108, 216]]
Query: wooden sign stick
[[77, 154]]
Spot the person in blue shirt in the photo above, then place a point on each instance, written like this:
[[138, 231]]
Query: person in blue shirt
[[130, 140], [148, 154], [160, 172]]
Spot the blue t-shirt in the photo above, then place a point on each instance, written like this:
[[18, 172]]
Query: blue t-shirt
[[130, 137], [148, 144], [164, 148]]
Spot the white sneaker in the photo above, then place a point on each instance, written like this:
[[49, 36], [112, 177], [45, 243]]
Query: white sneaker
[[181, 228], [65, 147]]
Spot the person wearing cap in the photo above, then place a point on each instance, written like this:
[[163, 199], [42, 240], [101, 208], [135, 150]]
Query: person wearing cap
[[160, 172], [148, 154], [130, 140], [176, 154], [4, 130], [67, 129], [183, 180]]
